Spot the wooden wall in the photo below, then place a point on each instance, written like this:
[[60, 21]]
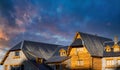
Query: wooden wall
[[96, 63], [22, 60], [81, 55]]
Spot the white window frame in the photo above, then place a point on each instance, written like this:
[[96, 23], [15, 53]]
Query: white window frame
[[110, 62], [79, 49]]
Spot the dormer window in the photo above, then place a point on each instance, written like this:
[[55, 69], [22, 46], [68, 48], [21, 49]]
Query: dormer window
[[116, 48], [63, 52], [39, 60], [108, 48]]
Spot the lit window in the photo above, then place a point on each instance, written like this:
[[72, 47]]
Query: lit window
[[110, 62], [17, 53], [80, 63], [39, 60], [118, 61], [108, 50], [79, 49], [62, 53], [116, 49]]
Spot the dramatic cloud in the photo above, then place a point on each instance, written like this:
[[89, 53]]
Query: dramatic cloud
[[56, 22]]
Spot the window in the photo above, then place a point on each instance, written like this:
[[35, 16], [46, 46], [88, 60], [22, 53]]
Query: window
[[108, 50], [110, 62], [17, 53], [79, 49], [118, 62], [63, 53], [39, 60], [80, 62], [116, 49]]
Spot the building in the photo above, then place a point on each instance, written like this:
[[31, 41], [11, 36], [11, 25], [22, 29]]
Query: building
[[92, 52], [29, 55], [86, 52]]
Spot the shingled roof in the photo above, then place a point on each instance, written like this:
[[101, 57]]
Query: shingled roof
[[94, 43], [38, 49], [77, 42], [110, 43], [57, 59], [33, 50], [112, 53]]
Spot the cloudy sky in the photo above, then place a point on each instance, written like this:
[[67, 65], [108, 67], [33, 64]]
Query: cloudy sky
[[56, 21]]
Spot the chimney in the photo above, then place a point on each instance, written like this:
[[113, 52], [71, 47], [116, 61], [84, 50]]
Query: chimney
[[115, 39]]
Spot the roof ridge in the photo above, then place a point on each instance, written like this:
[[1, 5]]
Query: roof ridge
[[22, 44], [41, 42], [94, 35]]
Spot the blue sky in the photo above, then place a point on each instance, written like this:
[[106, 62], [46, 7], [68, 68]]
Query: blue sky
[[56, 21]]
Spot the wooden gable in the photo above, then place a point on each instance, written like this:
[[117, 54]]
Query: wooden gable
[[116, 48], [11, 59], [77, 36]]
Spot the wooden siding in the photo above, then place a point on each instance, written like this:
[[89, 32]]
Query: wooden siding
[[97, 63], [81, 55], [22, 60], [11, 60]]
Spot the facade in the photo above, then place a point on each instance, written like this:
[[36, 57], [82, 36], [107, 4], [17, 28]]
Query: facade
[[86, 52]]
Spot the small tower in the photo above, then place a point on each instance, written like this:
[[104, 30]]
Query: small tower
[[115, 39], [116, 47]]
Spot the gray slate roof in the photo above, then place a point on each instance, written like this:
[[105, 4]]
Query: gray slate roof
[[32, 50], [36, 49], [77, 42], [57, 59], [94, 43], [111, 43], [111, 54], [58, 49]]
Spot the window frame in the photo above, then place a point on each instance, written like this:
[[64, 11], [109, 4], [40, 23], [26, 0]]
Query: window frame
[[80, 62], [110, 62], [79, 49], [118, 61], [17, 53]]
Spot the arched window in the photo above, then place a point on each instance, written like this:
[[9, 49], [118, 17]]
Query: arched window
[[62, 52], [108, 48]]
